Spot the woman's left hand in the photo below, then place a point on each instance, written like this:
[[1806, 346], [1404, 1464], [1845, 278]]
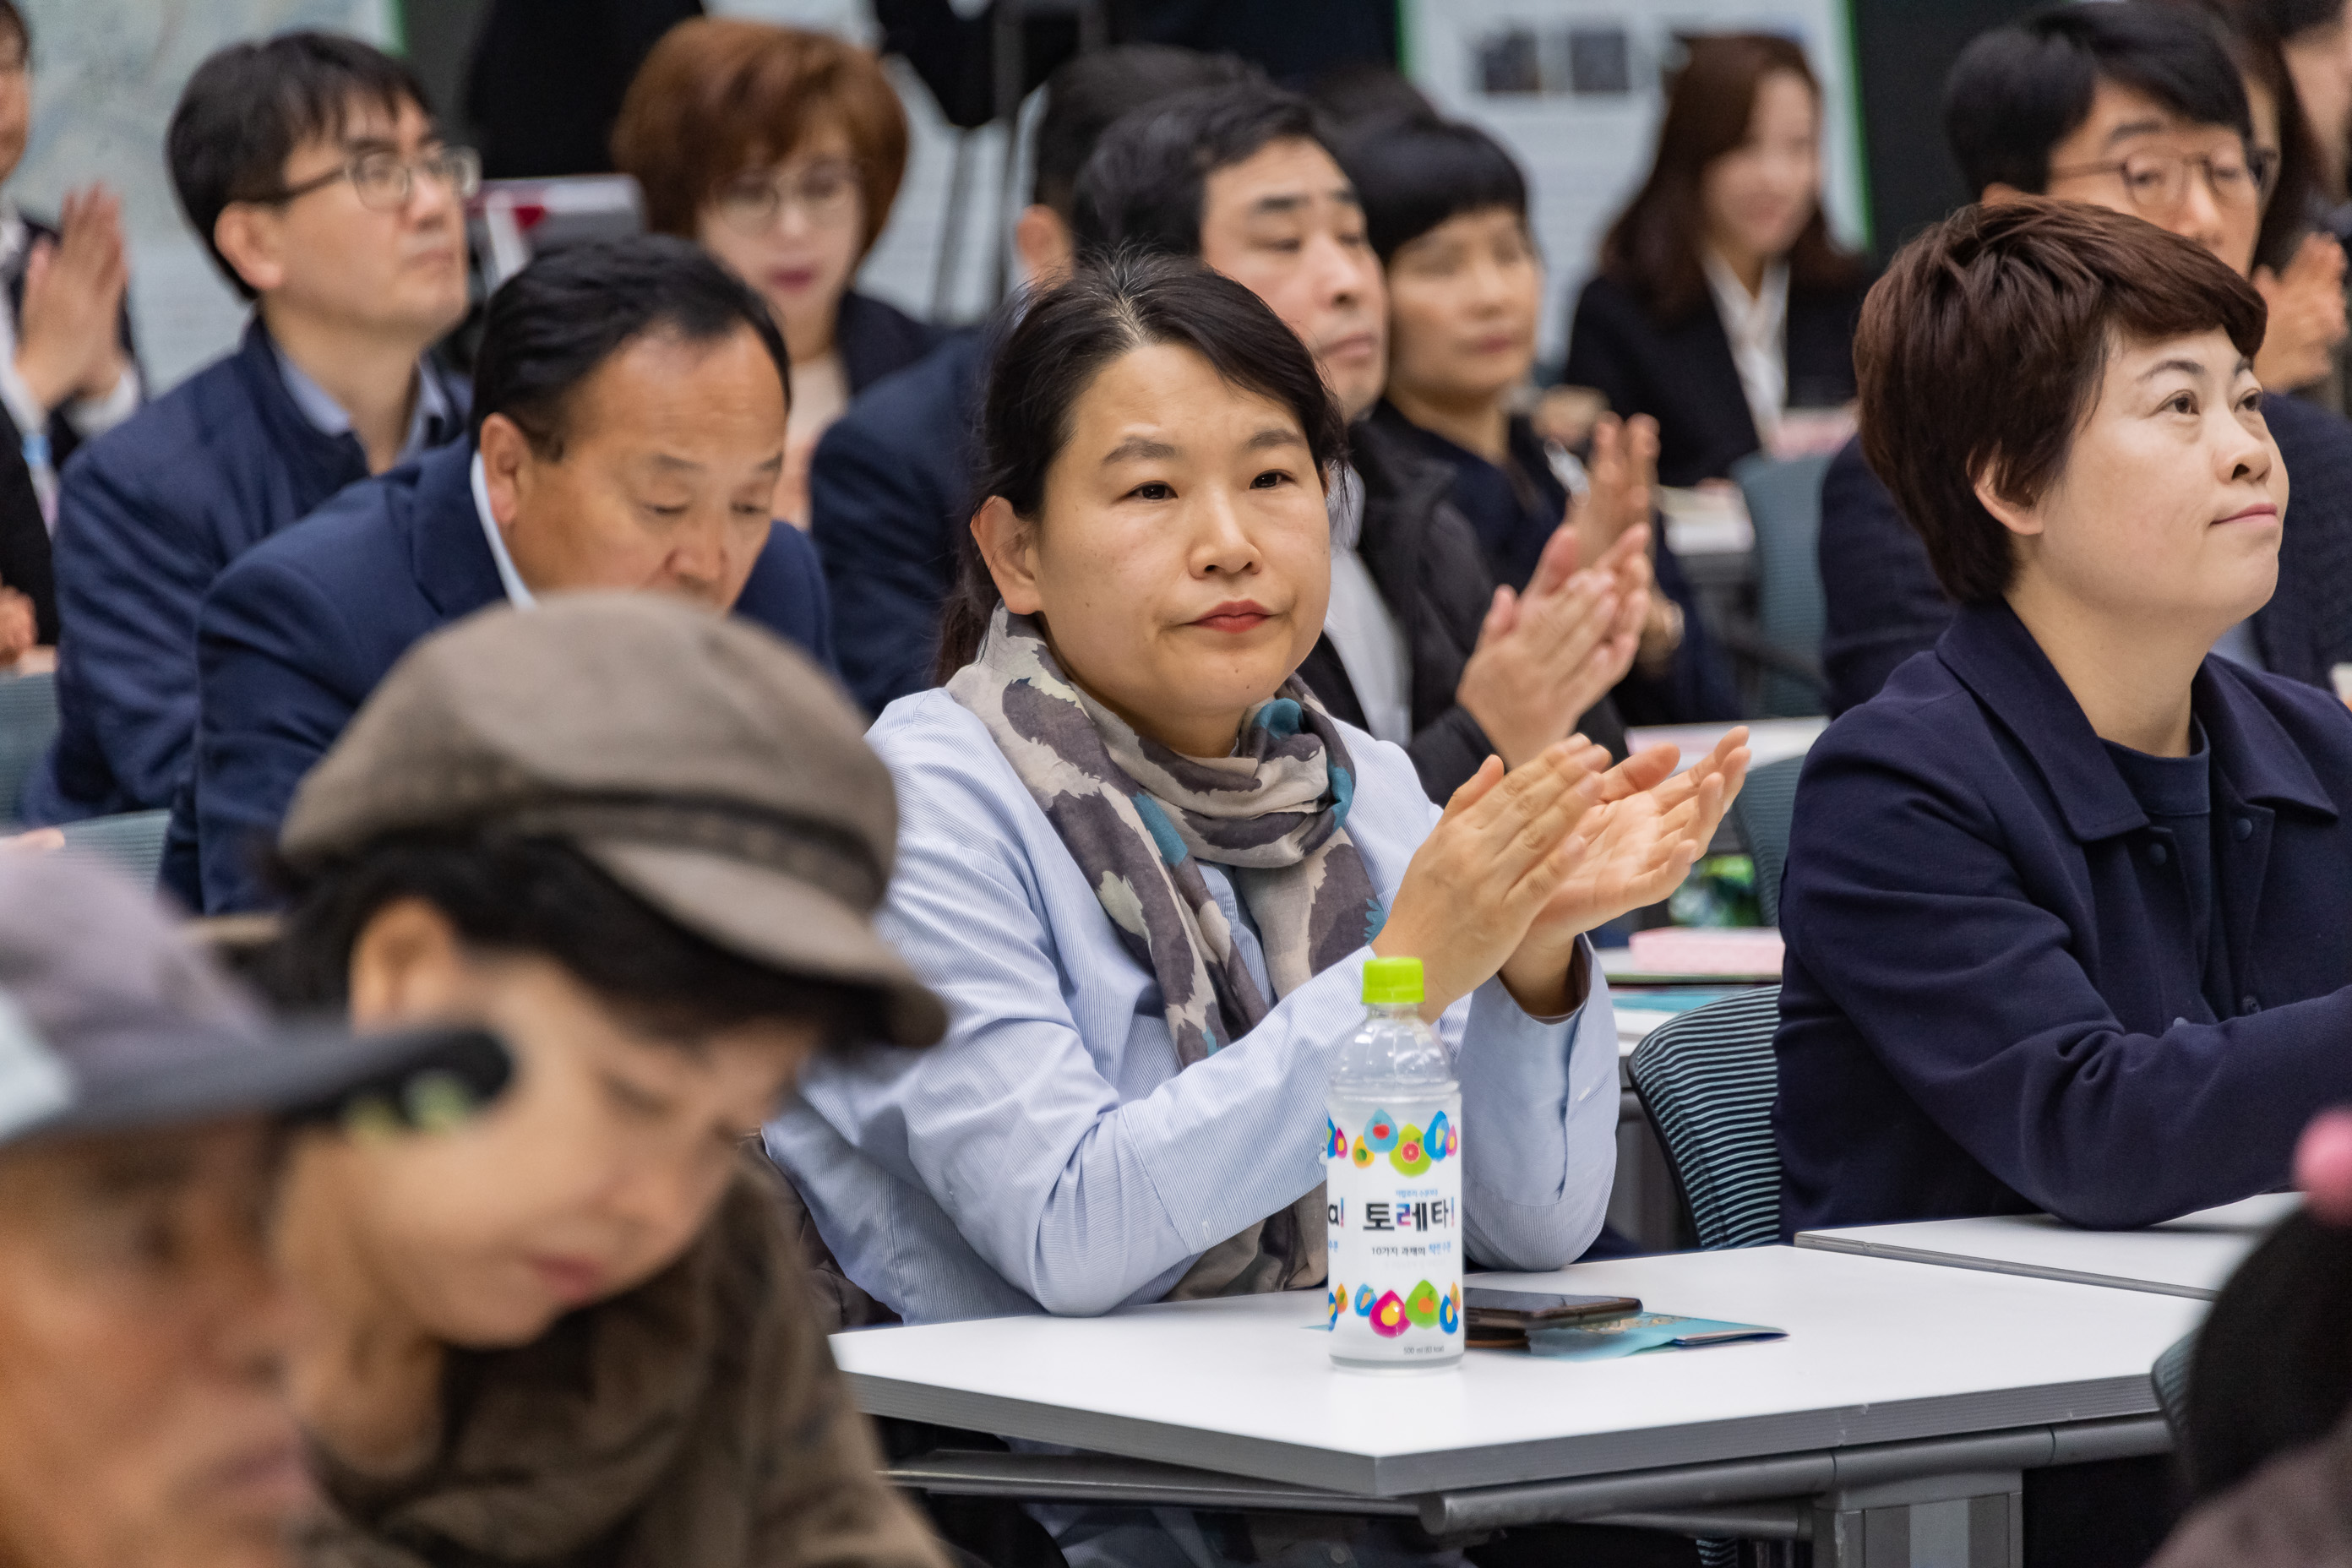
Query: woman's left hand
[[1637, 844]]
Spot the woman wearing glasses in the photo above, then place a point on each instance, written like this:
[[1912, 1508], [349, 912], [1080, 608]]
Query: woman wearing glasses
[[780, 151], [1722, 303]]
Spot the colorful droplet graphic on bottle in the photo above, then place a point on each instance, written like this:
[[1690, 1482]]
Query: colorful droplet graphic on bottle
[[1363, 1301], [1421, 1305], [1441, 1139], [1411, 1156], [1363, 1155], [1336, 1300], [1381, 1133], [1449, 1310], [1335, 1140], [1389, 1317]]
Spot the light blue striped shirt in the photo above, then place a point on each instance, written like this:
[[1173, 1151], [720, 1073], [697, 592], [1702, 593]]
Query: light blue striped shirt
[[1048, 1155]]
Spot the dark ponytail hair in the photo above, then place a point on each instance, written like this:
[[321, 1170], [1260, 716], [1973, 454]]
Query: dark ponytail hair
[[1068, 336]]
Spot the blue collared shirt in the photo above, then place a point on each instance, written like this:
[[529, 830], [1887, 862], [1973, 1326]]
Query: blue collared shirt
[[329, 416], [1049, 1155]]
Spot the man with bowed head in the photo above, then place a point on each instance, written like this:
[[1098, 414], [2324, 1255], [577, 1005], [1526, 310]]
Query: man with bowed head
[[630, 402], [1420, 645]]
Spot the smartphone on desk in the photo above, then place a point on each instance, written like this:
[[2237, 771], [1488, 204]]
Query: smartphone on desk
[[1517, 1312]]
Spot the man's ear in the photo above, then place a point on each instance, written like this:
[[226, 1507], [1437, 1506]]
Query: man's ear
[[1009, 546], [2024, 521], [1042, 239], [506, 463], [248, 234]]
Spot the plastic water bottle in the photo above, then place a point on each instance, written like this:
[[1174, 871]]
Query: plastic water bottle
[[1393, 1178]]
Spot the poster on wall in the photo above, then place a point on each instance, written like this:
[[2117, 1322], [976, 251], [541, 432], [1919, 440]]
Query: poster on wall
[[1574, 87]]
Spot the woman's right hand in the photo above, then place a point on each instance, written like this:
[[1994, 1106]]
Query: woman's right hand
[[1545, 657], [1505, 845]]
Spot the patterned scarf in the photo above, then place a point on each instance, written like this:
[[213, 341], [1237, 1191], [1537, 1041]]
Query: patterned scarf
[[1138, 820]]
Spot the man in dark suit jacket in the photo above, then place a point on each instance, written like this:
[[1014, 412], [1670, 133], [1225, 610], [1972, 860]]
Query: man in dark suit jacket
[[630, 405], [2006, 121], [311, 168]]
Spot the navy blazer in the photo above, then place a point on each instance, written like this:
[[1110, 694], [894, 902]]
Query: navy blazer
[[147, 515], [1980, 1013], [296, 634], [1883, 603], [1682, 372], [890, 494]]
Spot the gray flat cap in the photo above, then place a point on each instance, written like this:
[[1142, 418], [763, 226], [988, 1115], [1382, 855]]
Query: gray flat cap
[[707, 766]]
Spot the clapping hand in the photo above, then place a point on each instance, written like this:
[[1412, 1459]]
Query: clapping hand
[[1624, 471], [1634, 846], [67, 342], [19, 628], [1505, 845], [2306, 314], [1546, 656]]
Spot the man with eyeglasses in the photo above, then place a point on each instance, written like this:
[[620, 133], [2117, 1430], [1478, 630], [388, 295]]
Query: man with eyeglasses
[[2134, 107], [313, 169]]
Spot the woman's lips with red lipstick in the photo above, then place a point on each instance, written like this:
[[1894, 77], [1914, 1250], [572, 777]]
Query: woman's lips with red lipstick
[[1237, 616], [791, 278]]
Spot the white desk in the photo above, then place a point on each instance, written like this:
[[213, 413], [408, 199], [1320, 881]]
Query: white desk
[[1897, 1388], [2191, 1255]]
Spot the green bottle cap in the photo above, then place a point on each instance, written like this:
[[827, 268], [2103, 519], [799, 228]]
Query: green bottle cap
[[1392, 982]]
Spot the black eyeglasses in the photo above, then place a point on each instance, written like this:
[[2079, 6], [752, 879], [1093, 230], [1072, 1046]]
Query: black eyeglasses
[[385, 180]]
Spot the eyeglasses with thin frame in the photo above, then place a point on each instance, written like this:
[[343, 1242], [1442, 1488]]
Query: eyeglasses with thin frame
[[384, 180], [2157, 183], [825, 193]]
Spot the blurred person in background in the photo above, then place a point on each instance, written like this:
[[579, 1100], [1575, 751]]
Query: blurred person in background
[[67, 370], [311, 166], [1446, 207], [2266, 1445], [889, 491], [1421, 646], [780, 152], [143, 1331], [2316, 39], [2136, 107], [2298, 269], [1722, 304], [630, 411], [644, 845]]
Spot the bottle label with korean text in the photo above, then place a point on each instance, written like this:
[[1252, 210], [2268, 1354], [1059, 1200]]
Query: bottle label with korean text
[[1392, 1179]]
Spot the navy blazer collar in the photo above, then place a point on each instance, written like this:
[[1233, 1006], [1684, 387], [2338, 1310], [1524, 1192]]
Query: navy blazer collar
[[447, 552], [1992, 654]]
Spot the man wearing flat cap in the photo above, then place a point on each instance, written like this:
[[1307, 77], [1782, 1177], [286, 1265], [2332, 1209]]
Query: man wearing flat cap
[[645, 844], [142, 1331]]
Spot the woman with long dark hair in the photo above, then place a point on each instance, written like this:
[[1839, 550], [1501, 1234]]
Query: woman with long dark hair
[[1722, 302]]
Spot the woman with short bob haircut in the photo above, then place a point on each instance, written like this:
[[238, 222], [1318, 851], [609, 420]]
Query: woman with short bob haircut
[[2064, 901], [1144, 868], [1722, 302], [780, 151]]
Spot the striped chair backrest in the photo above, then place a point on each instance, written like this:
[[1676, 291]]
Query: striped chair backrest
[[132, 844], [1762, 811], [1708, 1081], [28, 720], [2169, 1377]]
